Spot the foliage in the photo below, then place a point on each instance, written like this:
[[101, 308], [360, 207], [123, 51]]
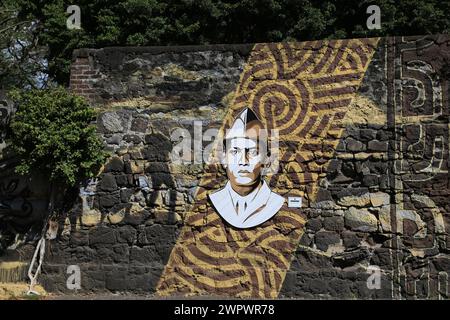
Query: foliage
[[22, 59], [51, 133], [176, 22]]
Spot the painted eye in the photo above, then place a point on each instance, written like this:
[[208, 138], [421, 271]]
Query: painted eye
[[234, 152], [252, 152]]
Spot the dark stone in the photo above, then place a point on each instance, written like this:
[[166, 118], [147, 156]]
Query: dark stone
[[103, 253], [383, 135], [154, 167], [163, 237], [125, 195], [370, 180], [127, 167], [308, 260], [354, 145], [367, 134], [136, 219], [115, 164], [54, 280], [147, 255], [339, 288], [161, 234], [442, 264], [347, 259], [333, 166], [379, 238], [352, 192], [361, 168], [136, 155], [90, 283], [132, 138], [350, 239], [158, 147], [114, 139], [382, 258], [384, 182], [311, 213], [326, 238], [139, 125], [333, 223], [102, 235], [349, 170], [409, 228], [122, 180], [377, 167], [79, 238], [379, 146], [341, 179], [158, 179], [108, 182], [289, 285], [148, 282], [127, 234], [108, 200], [323, 195], [118, 281], [121, 253], [361, 289], [341, 146], [314, 224], [141, 236], [327, 213], [306, 240], [317, 286]]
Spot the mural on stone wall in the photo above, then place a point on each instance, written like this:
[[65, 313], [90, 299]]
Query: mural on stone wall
[[418, 111], [303, 90], [362, 144]]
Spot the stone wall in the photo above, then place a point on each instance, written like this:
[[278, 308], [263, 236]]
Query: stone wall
[[122, 233], [364, 131]]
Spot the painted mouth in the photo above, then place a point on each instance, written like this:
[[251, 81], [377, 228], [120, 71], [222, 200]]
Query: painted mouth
[[244, 171]]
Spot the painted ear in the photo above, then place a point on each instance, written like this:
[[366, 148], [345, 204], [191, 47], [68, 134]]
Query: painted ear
[[271, 164], [222, 159], [266, 166]]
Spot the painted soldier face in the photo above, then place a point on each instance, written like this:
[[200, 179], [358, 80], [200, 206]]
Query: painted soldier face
[[244, 162], [246, 200]]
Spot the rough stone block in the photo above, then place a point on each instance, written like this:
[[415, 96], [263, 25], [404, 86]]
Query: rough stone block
[[324, 239], [360, 220]]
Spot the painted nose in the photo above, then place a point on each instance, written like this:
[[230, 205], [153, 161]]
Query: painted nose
[[243, 159]]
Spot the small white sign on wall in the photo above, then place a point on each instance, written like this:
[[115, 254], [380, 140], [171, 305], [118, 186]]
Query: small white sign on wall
[[294, 202]]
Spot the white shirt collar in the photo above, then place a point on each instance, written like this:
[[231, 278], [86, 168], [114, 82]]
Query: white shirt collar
[[262, 204], [236, 197]]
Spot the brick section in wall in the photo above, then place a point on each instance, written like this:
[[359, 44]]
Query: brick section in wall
[[83, 76]]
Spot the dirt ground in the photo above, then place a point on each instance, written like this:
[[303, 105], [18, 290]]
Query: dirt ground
[[18, 291]]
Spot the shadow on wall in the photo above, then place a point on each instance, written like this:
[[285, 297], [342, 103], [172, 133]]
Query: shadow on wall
[[23, 207], [140, 180], [23, 199]]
